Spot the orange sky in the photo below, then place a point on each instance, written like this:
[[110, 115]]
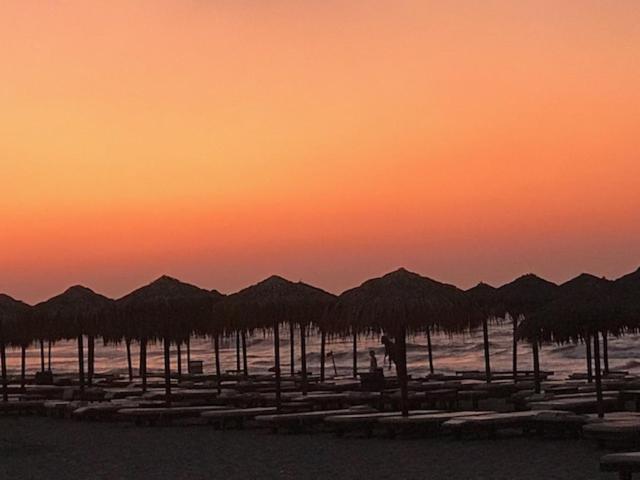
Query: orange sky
[[222, 141]]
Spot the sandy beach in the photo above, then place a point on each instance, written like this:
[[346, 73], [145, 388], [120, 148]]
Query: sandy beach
[[40, 448]]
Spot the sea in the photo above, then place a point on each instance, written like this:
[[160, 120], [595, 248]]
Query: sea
[[451, 353]]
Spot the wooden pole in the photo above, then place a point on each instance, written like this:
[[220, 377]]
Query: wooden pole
[[216, 348], [292, 349], [536, 366], [167, 371], [237, 352], [179, 358], [189, 355], [596, 357], [81, 362], [127, 342], [587, 342], [23, 366], [41, 355], [401, 369], [355, 355], [91, 351], [303, 358], [485, 341], [245, 361], [143, 363], [323, 341], [3, 361], [276, 351], [605, 352], [515, 348], [49, 355], [430, 349]]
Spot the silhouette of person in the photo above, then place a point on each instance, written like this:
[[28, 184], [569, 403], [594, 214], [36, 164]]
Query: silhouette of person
[[389, 350], [373, 363]]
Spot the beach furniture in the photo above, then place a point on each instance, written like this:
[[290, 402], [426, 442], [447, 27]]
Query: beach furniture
[[22, 407], [163, 415], [625, 464], [297, 422], [620, 429], [423, 423], [363, 422], [578, 403], [237, 417], [491, 424]]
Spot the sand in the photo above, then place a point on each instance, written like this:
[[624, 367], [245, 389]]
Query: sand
[[42, 448]]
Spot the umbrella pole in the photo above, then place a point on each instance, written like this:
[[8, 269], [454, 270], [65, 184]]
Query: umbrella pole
[[143, 363], [23, 366], [3, 361], [216, 348], [487, 359], [587, 342], [303, 358], [49, 355], [179, 356], [237, 352], [515, 348], [292, 349], [429, 348], [323, 339], [81, 362], [167, 371], [596, 357], [401, 369], [245, 363], [129, 365], [188, 354], [605, 352], [41, 355], [355, 355], [276, 351], [536, 365], [91, 347]]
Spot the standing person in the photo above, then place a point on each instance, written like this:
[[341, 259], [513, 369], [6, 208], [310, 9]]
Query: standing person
[[389, 350], [373, 363]]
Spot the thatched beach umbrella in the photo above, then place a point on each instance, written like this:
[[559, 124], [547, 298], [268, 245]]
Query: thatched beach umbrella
[[77, 312], [584, 307], [521, 298], [483, 297], [404, 302], [14, 315], [167, 310], [270, 303], [627, 297]]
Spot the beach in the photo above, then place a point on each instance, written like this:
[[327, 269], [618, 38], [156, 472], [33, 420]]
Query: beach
[[41, 448]]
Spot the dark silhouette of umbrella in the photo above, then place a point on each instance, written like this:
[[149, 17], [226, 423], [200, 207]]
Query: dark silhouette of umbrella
[[77, 312], [167, 310], [520, 299], [583, 307], [14, 316], [404, 302], [270, 303], [483, 297]]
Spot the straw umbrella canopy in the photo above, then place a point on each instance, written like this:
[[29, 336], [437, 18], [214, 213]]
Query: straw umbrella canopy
[[168, 310], [521, 298], [270, 303], [401, 302], [76, 312], [584, 307], [483, 297], [13, 330], [627, 294]]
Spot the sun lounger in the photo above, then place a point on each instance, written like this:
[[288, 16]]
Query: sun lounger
[[492, 423], [364, 422], [423, 422], [301, 421], [616, 431], [25, 407], [577, 404], [235, 417], [163, 415], [625, 464]]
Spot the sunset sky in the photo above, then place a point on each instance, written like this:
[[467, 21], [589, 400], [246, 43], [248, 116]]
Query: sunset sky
[[220, 141]]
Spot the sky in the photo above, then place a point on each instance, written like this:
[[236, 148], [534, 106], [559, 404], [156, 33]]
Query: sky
[[224, 141]]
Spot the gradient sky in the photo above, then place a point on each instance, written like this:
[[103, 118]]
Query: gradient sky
[[222, 141]]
